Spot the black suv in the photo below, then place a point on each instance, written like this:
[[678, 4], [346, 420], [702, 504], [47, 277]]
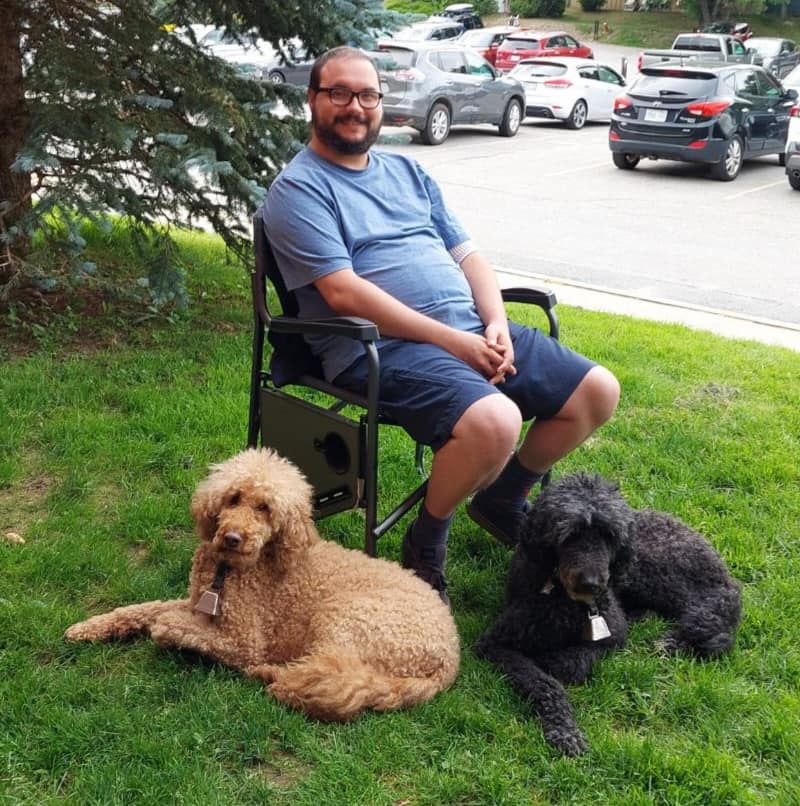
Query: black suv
[[463, 13], [711, 113]]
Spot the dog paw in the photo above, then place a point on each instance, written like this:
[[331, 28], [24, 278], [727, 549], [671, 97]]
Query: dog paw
[[264, 672], [569, 743], [98, 628]]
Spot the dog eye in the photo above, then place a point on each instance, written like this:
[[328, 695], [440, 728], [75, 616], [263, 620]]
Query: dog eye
[[263, 508], [234, 499]]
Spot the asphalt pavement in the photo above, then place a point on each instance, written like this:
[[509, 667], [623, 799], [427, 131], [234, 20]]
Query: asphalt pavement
[[662, 242]]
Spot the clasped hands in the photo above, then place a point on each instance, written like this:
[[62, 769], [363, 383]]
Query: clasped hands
[[491, 354]]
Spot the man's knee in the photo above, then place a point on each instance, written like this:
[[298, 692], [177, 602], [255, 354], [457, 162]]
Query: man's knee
[[493, 423], [597, 396]]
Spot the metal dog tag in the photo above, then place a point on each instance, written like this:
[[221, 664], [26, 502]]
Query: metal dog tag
[[596, 629], [209, 604]]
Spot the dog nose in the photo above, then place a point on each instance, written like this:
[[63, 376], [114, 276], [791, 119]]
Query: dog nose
[[232, 540], [591, 583]]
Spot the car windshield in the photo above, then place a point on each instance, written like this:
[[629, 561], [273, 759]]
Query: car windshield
[[663, 83], [523, 71], [766, 47], [701, 43], [718, 28], [511, 43]]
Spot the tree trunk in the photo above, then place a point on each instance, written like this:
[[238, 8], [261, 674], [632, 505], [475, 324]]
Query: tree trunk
[[15, 187]]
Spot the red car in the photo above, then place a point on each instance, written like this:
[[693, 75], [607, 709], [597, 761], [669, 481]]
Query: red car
[[526, 43], [486, 41]]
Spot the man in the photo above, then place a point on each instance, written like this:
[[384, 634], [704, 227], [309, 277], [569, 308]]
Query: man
[[367, 233]]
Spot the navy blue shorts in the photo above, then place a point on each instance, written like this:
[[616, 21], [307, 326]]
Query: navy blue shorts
[[426, 389]]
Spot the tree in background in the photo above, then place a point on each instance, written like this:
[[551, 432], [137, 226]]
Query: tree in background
[[707, 11], [104, 111]]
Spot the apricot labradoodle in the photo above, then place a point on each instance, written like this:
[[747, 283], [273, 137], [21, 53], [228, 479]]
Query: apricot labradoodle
[[331, 630]]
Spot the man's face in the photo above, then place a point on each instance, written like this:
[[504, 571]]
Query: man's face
[[347, 129]]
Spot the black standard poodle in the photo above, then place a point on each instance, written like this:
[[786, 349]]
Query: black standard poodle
[[585, 563]]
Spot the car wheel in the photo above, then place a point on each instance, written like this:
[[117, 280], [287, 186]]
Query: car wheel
[[625, 161], [512, 117], [276, 77], [794, 181], [437, 126], [782, 159], [577, 118], [727, 169]]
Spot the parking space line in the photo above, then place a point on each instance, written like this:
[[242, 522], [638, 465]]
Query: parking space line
[[755, 190], [582, 168]]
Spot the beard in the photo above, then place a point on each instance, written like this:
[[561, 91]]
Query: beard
[[327, 133]]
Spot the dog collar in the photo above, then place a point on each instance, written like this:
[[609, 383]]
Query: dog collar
[[209, 601]]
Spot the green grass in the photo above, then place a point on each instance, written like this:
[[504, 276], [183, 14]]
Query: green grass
[[106, 431]]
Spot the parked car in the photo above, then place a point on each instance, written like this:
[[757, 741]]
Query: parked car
[[568, 89], [738, 30], [792, 156], [525, 43], [791, 81], [296, 69], [434, 31], [779, 56], [719, 114], [486, 41], [249, 54], [463, 13], [432, 86]]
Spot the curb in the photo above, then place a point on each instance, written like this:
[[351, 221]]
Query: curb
[[723, 323]]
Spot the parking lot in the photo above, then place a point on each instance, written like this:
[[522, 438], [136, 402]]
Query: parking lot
[[549, 202]]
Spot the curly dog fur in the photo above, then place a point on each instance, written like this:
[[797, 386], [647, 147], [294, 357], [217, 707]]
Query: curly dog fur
[[583, 543], [330, 630]]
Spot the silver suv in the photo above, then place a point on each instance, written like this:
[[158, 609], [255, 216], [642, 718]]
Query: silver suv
[[432, 86]]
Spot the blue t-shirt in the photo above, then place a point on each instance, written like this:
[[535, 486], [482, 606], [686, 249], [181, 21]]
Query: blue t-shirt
[[387, 222]]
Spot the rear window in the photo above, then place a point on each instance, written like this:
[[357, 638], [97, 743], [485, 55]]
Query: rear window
[[666, 83], [477, 38], [389, 58], [698, 43], [510, 43], [523, 71]]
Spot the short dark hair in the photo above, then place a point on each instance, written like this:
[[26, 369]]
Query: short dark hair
[[342, 52]]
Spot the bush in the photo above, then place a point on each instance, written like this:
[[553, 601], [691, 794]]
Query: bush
[[592, 5], [552, 8], [538, 8], [524, 8]]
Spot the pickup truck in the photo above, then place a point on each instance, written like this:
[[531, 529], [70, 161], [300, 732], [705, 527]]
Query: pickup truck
[[700, 47]]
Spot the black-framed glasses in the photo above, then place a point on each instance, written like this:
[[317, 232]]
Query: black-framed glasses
[[341, 96]]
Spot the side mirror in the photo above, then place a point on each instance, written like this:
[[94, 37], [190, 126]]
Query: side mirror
[[791, 95]]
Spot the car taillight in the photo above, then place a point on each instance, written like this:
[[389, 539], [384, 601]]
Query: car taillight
[[794, 112], [558, 83], [707, 109], [622, 103], [409, 74], [639, 60]]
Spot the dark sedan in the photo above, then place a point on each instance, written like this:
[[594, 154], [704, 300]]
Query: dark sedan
[[714, 114]]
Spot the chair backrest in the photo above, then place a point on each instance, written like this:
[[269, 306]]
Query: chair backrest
[[291, 356]]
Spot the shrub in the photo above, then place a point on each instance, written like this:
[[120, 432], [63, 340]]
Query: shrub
[[552, 8], [592, 5], [525, 8], [538, 8]]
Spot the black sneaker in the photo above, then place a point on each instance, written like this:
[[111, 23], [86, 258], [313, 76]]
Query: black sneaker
[[505, 526], [427, 564]]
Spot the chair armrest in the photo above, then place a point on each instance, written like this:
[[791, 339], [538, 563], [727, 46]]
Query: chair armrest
[[353, 327], [542, 296]]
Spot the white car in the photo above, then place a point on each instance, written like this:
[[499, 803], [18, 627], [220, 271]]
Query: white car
[[568, 89], [250, 56]]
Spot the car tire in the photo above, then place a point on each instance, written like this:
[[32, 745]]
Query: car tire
[[627, 162], [437, 126], [727, 169], [276, 77], [794, 181], [577, 117], [782, 159], [512, 118]]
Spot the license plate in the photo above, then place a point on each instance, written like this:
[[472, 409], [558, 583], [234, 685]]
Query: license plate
[[531, 85], [655, 115]]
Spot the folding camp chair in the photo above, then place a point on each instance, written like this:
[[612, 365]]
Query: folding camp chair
[[337, 452]]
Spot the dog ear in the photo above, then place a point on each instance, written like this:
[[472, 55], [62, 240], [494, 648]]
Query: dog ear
[[205, 508], [296, 534]]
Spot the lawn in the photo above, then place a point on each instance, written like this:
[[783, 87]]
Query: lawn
[[108, 424]]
